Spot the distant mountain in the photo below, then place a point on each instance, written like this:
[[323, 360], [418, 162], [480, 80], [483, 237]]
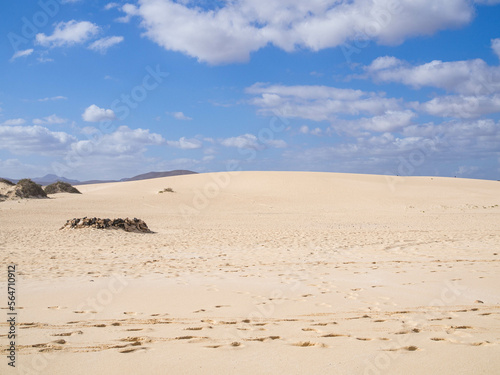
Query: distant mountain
[[90, 182], [150, 175], [51, 178]]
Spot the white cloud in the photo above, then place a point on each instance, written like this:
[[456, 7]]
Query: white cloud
[[111, 6], [186, 144], [102, 45], [44, 59], [390, 121], [14, 121], [180, 116], [95, 114], [230, 32], [468, 77], [250, 141], [304, 129], [34, 139], [124, 141], [318, 103], [495, 46], [130, 11], [465, 170], [22, 53], [14, 168], [423, 149], [52, 119], [460, 106], [59, 97], [68, 33], [242, 141]]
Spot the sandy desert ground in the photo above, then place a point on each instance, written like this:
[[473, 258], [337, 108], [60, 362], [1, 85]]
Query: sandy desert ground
[[258, 273]]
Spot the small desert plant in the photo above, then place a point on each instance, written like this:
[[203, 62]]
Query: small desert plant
[[167, 190], [26, 188], [61, 187], [5, 181]]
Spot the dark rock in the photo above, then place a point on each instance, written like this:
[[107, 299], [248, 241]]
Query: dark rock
[[129, 225]]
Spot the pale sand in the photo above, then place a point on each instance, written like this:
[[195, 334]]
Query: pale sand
[[271, 273]]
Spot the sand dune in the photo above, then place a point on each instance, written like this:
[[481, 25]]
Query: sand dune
[[260, 272]]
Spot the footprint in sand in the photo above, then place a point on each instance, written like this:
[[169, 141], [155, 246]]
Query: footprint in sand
[[335, 335], [68, 333], [304, 344], [131, 350], [411, 348]]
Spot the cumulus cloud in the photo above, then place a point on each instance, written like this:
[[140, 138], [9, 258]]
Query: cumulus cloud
[[318, 103], [468, 77], [103, 44], [124, 141], [33, 139], [186, 144], [230, 31], [14, 121], [52, 119], [460, 106], [22, 53], [68, 33], [495, 46], [95, 114], [180, 116]]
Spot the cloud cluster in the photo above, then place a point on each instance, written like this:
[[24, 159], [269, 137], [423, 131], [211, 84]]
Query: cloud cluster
[[123, 141], [34, 139], [228, 32], [318, 103], [468, 77]]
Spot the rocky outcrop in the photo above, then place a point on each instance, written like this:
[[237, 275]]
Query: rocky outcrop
[[128, 225], [61, 187], [25, 188]]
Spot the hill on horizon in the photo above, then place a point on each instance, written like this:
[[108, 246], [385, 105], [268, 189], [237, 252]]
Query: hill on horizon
[[51, 178]]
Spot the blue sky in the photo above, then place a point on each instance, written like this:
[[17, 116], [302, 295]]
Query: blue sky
[[106, 90]]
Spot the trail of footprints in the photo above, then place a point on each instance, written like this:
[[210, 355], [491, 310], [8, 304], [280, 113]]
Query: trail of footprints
[[319, 331]]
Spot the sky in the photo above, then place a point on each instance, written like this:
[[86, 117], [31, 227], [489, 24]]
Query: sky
[[106, 90]]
